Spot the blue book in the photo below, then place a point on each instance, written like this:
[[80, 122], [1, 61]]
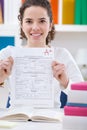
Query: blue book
[[76, 104], [6, 40]]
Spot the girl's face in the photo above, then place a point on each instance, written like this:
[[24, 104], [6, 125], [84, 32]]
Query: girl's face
[[36, 25]]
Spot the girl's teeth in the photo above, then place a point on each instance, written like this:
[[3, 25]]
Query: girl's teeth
[[36, 34]]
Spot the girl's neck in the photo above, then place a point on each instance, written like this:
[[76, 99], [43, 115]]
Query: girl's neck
[[39, 46]]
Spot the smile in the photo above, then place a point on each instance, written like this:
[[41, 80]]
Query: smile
[[36, 35]]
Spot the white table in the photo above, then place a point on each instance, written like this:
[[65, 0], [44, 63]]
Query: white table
[[35, 126], [29, 125]]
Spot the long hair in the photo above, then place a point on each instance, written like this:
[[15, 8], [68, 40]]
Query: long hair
[[42, 3]]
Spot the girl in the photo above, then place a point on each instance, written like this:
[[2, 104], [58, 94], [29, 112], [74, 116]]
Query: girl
[[37, 28]]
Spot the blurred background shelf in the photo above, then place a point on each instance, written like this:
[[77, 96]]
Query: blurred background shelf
[[71, 28]]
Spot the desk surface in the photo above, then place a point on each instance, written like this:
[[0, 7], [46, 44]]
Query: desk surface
[[35, 126], [29, 125]]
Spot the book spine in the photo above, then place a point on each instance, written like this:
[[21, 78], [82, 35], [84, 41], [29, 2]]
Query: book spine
[[75, 111], [76, 96], [1, 11], [55, 11], [1, 21], [68, 12], [75, 122], [77, 14], [84, 12], [76, 104], [79, 86]]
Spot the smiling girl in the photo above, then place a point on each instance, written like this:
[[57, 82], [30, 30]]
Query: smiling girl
[[36, 22]]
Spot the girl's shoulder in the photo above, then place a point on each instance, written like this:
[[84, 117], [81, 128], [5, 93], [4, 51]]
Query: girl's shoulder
[[62, 54], [8, 48], [61, 51]]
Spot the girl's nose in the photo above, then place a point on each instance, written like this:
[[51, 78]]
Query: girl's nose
[[35, 26]]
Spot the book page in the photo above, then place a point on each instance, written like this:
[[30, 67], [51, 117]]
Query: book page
[[47, 115], [32, 77], [17, 114]]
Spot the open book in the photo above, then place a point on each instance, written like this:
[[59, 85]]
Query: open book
[[23, 114]]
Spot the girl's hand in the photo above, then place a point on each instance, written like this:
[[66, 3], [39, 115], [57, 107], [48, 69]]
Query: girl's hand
[[59, 72], [5, 68]]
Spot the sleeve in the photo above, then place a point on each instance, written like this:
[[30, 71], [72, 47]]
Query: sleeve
[[4, 94], [5, 89], [5, 52], [73, 70]]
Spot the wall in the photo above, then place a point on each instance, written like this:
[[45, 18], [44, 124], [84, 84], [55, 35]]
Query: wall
[[71, 40]]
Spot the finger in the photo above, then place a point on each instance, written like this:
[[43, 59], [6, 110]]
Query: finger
[[8, 60], [54, 63], [7, 70], [58, 72], [58, 67], [7, 67], [11, 60], [1, 62]]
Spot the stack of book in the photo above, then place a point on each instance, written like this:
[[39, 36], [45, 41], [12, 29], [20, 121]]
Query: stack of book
[[75, 111]]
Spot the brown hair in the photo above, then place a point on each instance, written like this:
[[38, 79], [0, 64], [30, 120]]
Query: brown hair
[[42, 3]]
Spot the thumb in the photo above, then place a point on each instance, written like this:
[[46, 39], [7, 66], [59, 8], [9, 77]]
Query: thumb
[[11, 59]]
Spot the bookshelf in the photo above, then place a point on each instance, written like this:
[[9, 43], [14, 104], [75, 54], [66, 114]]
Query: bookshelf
[[7, 30], [70, 36], [9, 27], [67, 27], [70, 28], [65, 33]]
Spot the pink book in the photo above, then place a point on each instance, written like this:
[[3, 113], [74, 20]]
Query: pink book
[[79, 86], [75, 111]]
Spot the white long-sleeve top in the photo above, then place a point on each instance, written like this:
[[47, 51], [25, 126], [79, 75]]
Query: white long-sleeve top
[[61, 55]]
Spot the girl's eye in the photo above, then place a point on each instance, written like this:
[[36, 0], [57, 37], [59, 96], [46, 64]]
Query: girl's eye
[[29, 21], [42, 21]]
